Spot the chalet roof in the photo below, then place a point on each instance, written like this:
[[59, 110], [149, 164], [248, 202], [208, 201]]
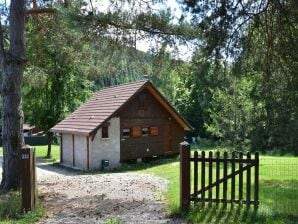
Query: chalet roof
[[104, 104]]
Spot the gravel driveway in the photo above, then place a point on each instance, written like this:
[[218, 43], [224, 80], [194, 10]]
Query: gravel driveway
[[70, 197]]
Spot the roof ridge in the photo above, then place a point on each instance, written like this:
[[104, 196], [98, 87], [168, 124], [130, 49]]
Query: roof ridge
[[123, 84]]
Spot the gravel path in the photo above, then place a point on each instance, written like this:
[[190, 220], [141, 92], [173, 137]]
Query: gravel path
[[129, 197], [70, 197]]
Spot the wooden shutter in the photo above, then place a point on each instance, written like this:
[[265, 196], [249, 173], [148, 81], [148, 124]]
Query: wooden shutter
[[136, 132], [154, 131]]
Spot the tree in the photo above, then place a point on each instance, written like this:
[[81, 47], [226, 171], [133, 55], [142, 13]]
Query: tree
[[257, 37], [13, 63], [54, 83]]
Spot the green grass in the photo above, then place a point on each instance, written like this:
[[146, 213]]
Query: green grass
[[41, 152], [278, 193], [113, 221], [10, 211]]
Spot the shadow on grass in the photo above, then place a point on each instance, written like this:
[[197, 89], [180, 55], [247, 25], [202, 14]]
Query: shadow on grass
[[213, 213], [125, 167]]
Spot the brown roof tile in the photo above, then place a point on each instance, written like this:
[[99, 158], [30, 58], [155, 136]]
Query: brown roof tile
[[97, 109], [104, 104]]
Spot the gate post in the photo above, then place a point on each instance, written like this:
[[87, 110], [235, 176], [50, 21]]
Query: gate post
[[28, 178], [184, 175]]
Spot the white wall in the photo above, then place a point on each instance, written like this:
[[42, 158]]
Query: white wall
[[109, 148], [80, 143], [67, 149]]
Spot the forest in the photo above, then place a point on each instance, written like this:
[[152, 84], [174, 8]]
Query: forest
[[239, 87]]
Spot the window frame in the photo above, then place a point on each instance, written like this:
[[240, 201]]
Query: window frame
[[129, 133], [105, 132], [148, 131]]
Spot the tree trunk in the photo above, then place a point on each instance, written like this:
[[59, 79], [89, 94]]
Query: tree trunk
[[50, 139], [13, 69]]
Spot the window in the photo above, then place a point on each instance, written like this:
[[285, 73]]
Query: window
[[126, 132], [136, 132], [145, 131], [105, 132], [154, 131]]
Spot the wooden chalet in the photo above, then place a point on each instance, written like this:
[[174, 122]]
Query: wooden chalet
[[120, 123]]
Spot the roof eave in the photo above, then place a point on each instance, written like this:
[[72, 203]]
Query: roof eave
[[62, 131]]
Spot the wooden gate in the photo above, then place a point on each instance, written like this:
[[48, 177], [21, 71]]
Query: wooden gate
[[215, 177]]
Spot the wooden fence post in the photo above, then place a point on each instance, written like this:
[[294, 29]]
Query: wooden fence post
[[217, 175], [248, 178], [184, 175], [225, 174], [28, 178], [256, 192], [195, 173], [210, 177]]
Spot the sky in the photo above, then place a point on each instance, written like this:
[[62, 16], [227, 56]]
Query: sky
[[183, 51]]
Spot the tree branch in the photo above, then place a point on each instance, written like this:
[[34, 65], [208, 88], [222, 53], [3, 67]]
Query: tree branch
[[40, 11]]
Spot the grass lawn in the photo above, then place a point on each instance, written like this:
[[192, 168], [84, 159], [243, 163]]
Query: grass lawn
[[278, 193], [41, 152]]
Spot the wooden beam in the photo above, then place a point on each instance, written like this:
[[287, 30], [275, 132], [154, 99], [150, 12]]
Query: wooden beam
[[61, 148], [88, 166], [73, 152], [40, 11], [93, 134]]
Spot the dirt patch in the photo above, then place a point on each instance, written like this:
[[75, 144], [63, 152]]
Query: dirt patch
[[130, 197]]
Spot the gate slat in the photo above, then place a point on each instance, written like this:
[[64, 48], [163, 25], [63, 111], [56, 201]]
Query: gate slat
[[233, 178], [245, 165], [217, 175], [195, 173], [248, 180], [210, 175], [203, 177], [240, 177], [225, 173], [223, 179], [256, 193]]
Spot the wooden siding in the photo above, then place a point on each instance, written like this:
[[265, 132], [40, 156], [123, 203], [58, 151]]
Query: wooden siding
[[145, 111]]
